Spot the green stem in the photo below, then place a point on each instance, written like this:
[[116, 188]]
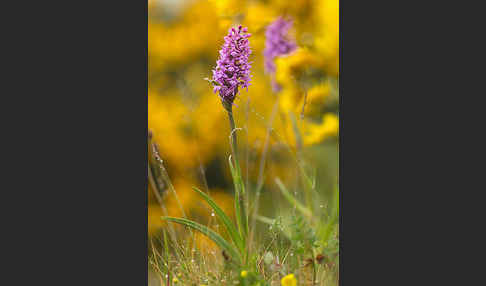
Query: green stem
[[234, 142], [298, 138], [242, 218]]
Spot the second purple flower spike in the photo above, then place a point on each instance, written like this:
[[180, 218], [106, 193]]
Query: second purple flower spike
[[277, 43]]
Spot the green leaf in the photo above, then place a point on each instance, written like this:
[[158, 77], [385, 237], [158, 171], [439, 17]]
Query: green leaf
[[238, 210], [221, 242], [292, 200], [224, 219]]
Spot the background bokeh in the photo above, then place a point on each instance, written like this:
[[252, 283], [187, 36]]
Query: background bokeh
[[191, 127]]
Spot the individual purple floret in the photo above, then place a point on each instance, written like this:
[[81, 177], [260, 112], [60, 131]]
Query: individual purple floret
[[232, 69], [277, 43]]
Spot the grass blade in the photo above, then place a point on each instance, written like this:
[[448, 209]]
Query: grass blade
[[230, 228], [221, 242], [292, 200], [264, 219], [329, 227]]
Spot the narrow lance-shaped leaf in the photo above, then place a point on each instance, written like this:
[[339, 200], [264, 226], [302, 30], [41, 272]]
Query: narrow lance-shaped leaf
[[224, 219], [221, 242], [238, 211]]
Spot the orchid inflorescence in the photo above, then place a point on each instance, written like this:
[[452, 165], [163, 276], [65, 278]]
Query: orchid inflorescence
[[233, 68]]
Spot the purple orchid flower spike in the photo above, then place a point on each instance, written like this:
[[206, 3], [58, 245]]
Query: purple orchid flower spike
[[232, 69]]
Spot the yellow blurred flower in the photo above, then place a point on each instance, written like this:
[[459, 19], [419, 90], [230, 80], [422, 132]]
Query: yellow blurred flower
[[293, 99], [228, 8], [185, 40], [316, 97], [293, 73], [167, 118], [315, 133], [222, 199], [155, 212], [175, 280], [154, 220], [185, 196], [289, 280], [258, 16], [297, 72], [290, 97], [295, 66], [296, 8], [327, 42], [185, 140], [244, 273], [312, 132]]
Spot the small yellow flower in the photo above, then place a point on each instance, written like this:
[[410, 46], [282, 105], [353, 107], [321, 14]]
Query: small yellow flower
[[289, 280], [244, 273], [175, 280]]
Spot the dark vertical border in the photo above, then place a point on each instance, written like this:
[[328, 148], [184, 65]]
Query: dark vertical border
[[145, 143], [81, 209]]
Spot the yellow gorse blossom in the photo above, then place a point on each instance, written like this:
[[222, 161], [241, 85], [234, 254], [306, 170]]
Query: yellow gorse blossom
[[181, 137], [292, 74], [259, 15], [294, 99], [291, 68], [315, 133], [315, 99], [164, 52], [154, 221], [289, 280], [295, 74], [327, 42], [228, 8], [311, 132]]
